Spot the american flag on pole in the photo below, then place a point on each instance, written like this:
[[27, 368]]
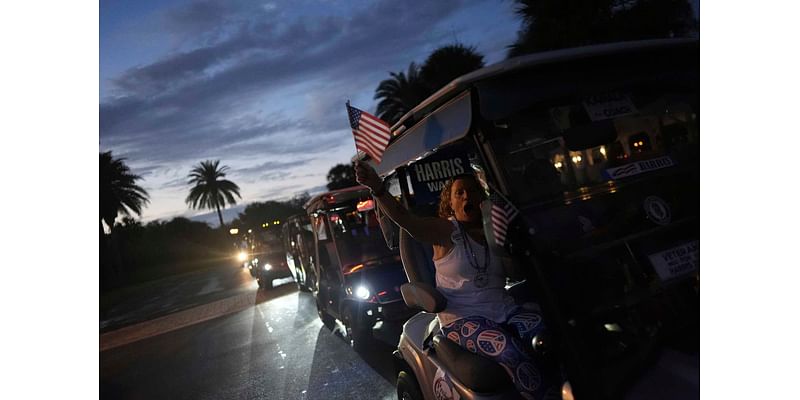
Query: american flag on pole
[[502, 215], [371, 133]]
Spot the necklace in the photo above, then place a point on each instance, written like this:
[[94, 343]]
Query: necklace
[[481, 276]]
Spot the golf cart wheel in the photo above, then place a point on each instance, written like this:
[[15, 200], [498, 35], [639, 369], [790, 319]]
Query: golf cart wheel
[[358, 333], [407, 387], [264, 283], [326, 319]]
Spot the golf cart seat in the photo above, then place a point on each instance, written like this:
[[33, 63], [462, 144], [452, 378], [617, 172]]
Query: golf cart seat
[[477, 373]]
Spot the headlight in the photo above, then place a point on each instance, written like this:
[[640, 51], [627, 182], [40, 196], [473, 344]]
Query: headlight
[[242, 256], [267, 267], [362, 293], [255, 261]]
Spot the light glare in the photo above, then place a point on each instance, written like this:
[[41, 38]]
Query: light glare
[[362, 293]]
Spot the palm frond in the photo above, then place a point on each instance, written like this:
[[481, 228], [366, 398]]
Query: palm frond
[[119, 192], [209, 190]]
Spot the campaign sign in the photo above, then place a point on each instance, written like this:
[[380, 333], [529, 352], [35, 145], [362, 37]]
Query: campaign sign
[[608, 105], [638, 167], [677, 261], [428, 176]]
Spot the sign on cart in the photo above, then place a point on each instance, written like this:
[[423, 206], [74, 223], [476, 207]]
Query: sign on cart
[[677, 261]]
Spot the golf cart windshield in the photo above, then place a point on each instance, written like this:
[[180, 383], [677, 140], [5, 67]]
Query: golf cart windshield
[[358, 236], [575, 145], [270, 243]]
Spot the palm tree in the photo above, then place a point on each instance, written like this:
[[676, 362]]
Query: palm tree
[[119, 192], [447, 63], [555, 24], [404, 91], [399, 94], [209, 191]]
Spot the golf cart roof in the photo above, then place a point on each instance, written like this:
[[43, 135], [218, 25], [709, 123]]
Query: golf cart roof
[[417, 134], [328, 200]]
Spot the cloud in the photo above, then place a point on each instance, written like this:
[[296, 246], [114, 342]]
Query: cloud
[[175, 183], [270, 165], [318, 189], [199, 17], [147, 170], [280, 192], [211, 218], [262, 86], [274, 176], [185, 90]]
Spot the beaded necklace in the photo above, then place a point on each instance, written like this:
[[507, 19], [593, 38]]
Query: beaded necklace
[[481, 276]]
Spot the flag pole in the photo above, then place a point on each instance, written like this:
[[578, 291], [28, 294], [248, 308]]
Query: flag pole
[[357, 157]]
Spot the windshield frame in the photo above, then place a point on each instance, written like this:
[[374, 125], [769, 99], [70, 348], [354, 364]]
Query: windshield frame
[[345, 244]]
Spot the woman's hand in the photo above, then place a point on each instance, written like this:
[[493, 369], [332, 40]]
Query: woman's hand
[[367, 176], [429, 230]]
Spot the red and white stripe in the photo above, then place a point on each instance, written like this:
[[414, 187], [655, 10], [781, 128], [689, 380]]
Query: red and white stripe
[[371, 133], [502, 215]]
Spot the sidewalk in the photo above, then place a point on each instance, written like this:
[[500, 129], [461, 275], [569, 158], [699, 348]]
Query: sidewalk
[[171, 322], [139, 303], [181, 319]]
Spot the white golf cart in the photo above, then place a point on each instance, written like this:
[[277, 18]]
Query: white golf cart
[[598, 149]]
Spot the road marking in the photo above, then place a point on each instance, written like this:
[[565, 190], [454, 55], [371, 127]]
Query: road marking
[[167, 323]]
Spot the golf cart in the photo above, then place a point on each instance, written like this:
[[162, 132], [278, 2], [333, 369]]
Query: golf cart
[[269, 261], [597, 148], [358, 277], [298, 240]]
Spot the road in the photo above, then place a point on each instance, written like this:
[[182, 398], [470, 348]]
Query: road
[[176, 293], [275, 347]]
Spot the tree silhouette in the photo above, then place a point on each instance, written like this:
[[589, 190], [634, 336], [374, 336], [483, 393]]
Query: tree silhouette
[[258, 213], [209, 190], [555, 24], [399, 94], [448, 63], [119, 192], [341, 176], [299, 200], [404, 91]]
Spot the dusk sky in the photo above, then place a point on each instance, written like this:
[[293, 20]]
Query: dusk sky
[[262, 85]]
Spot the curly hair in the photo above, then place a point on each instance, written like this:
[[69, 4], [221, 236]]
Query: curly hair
[[445, 211]]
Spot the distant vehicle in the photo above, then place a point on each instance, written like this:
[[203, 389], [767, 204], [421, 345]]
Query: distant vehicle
[[597, 148], [242, 253], [359, 277], [269, 261]]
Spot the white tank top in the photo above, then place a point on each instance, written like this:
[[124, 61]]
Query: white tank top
[[455, 280]]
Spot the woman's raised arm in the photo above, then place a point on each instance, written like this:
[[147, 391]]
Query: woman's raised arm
[[430, 230]]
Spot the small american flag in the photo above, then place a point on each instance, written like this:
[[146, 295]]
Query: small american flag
[[370, 132], [502, 215]]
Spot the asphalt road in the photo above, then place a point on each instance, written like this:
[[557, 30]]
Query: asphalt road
[[274, 348], [176, 293]]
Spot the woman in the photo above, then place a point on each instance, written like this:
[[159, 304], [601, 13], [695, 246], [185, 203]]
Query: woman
[[480, 315]]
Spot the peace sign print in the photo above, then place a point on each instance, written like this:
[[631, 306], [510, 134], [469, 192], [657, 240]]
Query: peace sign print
[[492, 342]]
